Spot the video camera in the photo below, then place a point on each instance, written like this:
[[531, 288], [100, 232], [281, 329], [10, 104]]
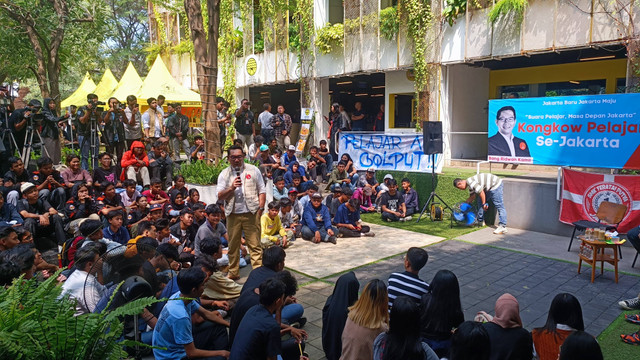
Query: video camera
[[94, 104]]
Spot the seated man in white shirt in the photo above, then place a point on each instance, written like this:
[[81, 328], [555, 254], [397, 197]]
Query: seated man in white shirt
[[85, 283]]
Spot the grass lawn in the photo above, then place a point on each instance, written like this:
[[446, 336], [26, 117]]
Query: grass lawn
[[425, 226], [612, 346]]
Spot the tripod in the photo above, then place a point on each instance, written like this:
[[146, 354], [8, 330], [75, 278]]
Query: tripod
[[433, 194], [92, 138], [28, 144]]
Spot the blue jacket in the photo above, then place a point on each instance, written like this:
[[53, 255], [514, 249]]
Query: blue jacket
[[310, 217], [9, 213], [344, 216], [288, 176]]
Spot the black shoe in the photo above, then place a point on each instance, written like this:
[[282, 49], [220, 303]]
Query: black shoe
[[332, 239], [300, 323]]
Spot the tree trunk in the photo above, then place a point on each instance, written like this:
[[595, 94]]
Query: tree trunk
[[206, 56], [633, 66]]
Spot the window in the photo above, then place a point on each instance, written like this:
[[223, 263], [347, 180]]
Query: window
[[336, 11]]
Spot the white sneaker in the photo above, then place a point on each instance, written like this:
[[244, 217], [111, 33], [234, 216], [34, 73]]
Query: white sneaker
[[408, 218], [500, 230], [401, 219]]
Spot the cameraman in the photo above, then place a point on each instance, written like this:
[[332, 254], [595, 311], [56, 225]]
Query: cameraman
[[133, 123], [114, 128], [18, 121], [86, 114], [50, 132]]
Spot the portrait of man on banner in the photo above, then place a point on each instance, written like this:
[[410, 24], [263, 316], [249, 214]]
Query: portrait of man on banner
[[504, 143]]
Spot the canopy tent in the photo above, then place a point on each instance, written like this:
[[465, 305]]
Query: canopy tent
[[106, 86], [159, 81], [129, 84], [79, 97]]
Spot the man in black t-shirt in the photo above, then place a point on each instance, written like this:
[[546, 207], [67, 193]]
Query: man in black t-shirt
[[245, 124], [14, 178], [49, 183], [85, 115], [40, 219], [392, 203]]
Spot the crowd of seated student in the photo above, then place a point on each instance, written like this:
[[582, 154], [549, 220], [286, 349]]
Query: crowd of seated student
[[175, 244]]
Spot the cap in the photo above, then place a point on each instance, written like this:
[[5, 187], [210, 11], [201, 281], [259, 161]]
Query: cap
[[371, 170], [293, 191], [388, 176], [26, 186], [264, 147], [347, 191], [155, 207], [316, 196], [292, 147]]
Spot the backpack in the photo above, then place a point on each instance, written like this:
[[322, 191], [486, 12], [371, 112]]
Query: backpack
[[69, 249]]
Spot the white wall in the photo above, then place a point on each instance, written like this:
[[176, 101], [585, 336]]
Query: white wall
[[395, 82], [465, 101]]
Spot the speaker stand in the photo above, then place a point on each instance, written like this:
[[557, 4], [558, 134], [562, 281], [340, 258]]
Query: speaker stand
[[433, 194]]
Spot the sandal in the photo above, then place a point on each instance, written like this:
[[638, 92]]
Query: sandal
[[634, 319], [633, 339]]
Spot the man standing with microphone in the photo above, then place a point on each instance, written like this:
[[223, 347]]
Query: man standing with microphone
[[242, 188]]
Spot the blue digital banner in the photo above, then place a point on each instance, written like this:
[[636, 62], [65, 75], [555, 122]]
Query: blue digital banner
[[590, 131], [400, 152]]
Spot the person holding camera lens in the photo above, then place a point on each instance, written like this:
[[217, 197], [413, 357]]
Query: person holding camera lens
[[50, 131], [133, 122], [86, 115], [18, 121], [114, 128]]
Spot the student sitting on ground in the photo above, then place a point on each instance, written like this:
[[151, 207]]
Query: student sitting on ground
[[80, 207], [109, 201], [410, 197], [160, 163], [155, 194], [296, 206], [173, 334], [344, 196], [339, 177], [40, 219], [105, 172], [85, 283], [392, 204], [408, 283], [279, 190], [364, 196], [348, 222], [273, 233], [115, 231], [129, 195], [316, 222], [565, 317], [183, 233], [212, 228], [219, 287], [321, 165], [9, 215], [287, 218], [49, 183], [14, 178]]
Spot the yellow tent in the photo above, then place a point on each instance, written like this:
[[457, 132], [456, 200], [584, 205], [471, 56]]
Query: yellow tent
[[129, 84], [79, 97], [106, 86], [160, 82]]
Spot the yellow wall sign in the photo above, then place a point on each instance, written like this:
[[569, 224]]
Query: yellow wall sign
[[251, 66]]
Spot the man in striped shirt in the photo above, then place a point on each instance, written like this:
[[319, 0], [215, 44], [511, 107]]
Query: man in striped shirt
[[408, 283], [486, 187]]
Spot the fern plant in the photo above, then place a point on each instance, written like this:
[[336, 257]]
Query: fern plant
[[36, 324]]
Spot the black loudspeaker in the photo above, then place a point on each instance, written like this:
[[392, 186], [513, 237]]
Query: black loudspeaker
[[432, 137]]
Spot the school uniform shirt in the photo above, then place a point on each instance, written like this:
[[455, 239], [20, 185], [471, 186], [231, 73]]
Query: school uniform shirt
[[15, 178], [75, 209], [173, 329], [258, 336], [38, 179], [103, 201]]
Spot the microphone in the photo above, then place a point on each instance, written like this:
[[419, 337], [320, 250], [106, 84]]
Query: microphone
[[237, 171]]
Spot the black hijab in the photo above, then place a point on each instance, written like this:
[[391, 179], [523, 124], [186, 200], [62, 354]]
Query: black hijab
[[334, 314]]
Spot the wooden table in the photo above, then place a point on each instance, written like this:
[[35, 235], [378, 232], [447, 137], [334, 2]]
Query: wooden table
[[592, 251]]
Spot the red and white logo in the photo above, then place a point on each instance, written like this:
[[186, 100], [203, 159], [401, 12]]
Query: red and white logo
[[605, 191], [248, 176]]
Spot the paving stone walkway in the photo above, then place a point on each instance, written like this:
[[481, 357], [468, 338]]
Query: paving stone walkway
[[485, 273]]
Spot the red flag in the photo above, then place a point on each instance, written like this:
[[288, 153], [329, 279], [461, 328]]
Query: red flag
[[582, 193]]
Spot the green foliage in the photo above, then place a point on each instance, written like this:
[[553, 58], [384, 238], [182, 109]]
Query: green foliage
[[294, 38], [228, 45], [453, 9], [153, 50], [35, 324], [201, 173], [127, 22], [389, 23], [611, 345], [184, 47], [329, 36], [258, 43], [418, 15], [505, 7]]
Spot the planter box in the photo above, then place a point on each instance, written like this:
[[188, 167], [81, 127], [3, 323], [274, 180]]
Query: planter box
[[208, 193]]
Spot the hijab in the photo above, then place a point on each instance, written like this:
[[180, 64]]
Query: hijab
[[172, 195], [334, 314], [507, 312]]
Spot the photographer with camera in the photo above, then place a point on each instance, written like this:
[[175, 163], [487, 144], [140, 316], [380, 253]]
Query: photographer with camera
[[114, 128], [178, 128], [19, 119], [133, 122], [88, 116], [50, 132]]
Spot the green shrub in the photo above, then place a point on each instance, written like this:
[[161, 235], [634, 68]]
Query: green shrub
[[201, 173], [504, 7], [329, 36], [389, 23], [35, 324]]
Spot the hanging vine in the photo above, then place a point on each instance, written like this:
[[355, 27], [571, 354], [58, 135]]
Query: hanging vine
[[417, 14], [505, 7], [304, 23]]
